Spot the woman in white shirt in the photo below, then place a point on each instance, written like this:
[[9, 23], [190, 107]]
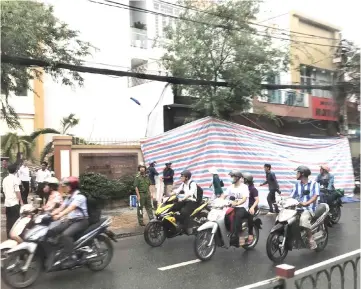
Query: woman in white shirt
[[240, 192]]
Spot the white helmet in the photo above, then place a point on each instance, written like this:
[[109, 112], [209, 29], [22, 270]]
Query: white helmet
[[213, 171], [52, 180]]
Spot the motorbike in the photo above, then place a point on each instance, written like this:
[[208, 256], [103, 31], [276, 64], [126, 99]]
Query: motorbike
[[27, 214], [41, 250], [164, 225], [287, 234], [334, 200], [217, 231]]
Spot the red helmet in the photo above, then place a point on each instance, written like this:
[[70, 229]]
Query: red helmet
[[72, 182]]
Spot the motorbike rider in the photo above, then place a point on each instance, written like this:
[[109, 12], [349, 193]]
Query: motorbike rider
[[76, 211], [240, 192], [308, 201], [252, 204], [189, 203], [55, 198], [325, 179]]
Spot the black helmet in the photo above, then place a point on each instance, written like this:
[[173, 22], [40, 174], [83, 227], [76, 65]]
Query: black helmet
[[186, 174], [304, 171], [248, 177], [231, 173], [237, 174]]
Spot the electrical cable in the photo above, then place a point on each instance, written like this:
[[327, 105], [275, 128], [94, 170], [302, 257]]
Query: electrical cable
[[133, 8], [248, 22]]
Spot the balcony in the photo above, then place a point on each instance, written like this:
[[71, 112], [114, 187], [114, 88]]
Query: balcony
[[286, 103], [138, 38]]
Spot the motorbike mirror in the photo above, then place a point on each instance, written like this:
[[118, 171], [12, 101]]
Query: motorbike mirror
[[306, 192]]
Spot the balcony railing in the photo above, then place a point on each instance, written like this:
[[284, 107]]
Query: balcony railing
[[139, 38], [285, 97]]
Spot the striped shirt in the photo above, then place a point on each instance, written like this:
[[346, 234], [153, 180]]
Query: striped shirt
[[298, 189]]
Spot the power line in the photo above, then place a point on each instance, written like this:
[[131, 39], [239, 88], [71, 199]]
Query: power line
[[273, 17], [133, 8], [248, 22], [24, 61]]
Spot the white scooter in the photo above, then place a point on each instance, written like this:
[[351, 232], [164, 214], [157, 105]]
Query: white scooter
[[27, 212], [287, 234]]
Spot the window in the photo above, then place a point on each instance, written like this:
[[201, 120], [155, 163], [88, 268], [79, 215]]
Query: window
[[274, 96], [316, 76]]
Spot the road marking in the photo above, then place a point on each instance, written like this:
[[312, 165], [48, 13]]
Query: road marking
[[179, 265]]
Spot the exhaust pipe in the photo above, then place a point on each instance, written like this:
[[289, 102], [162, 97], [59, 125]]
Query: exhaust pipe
[[319, 236]]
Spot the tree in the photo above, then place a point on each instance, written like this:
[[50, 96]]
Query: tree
[[30, 29], [17, 147], [66, 123], [228, 49]]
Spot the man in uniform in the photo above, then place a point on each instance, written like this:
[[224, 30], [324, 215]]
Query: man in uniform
[[4, 173], [141, 184]]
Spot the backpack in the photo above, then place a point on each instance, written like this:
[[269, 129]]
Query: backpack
[[199, 192], [94, 210]]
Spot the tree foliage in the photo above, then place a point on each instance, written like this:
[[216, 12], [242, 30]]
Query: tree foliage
[[13, 145], [66, 123], [228, 49], [30, 29]]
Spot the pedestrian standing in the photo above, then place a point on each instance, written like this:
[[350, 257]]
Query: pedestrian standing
[[24, 176], [13, 198], [273, 188], [4, 173], [152, 172], [142, 189], [41, 176], [217, 183], [168, 175]]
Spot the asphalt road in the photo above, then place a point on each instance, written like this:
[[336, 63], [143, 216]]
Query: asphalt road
[[136, 265]]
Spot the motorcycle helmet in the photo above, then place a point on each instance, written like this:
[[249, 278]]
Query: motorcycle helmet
[[72, 182], [325, 168], [304, 172], [236, 176], [231, 173], [248, 178], [52, 182], [168, 163], [187, 174]]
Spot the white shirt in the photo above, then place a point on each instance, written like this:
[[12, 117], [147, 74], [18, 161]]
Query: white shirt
[[24, 174], [10, 187], [41, 175], [239, 193], [189, 190]]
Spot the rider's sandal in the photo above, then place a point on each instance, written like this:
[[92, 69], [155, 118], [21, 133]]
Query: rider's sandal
[[242, 241]]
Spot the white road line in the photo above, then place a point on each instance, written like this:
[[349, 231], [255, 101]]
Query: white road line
[[179, 265]]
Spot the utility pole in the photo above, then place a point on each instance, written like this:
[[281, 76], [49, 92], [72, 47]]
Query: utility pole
[[341, 60]]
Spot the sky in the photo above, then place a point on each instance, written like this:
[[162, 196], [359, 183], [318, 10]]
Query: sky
[[344, 14]]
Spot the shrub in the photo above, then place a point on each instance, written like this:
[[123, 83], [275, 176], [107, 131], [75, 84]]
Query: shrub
[[99, 187]]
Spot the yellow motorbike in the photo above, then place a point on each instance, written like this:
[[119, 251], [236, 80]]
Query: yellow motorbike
[[164, 225]]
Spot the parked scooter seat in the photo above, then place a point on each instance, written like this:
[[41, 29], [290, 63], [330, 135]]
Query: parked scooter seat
[[93, 226]]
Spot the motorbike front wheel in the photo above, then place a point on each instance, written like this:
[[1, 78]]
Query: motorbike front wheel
[[154, 234], [201, 245], [104, 248], [255, 239], [274, 252], [13, 275], [335, 214]]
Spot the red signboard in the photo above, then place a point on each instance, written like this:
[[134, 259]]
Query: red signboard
[[324, 109]]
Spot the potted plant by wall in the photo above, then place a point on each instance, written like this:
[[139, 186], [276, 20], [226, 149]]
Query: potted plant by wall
[[140, 25]]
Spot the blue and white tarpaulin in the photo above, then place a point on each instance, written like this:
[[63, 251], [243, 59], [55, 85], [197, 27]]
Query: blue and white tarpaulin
[[208, 142]]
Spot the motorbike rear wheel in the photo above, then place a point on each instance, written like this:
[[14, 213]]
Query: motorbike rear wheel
[[335, 215], [322, 245], [272, 247], [154, 234], [108, 255], [201, 242], [12, 266]]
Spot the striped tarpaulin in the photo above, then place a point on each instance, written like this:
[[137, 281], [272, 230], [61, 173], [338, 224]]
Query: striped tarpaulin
[[208, 142]]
